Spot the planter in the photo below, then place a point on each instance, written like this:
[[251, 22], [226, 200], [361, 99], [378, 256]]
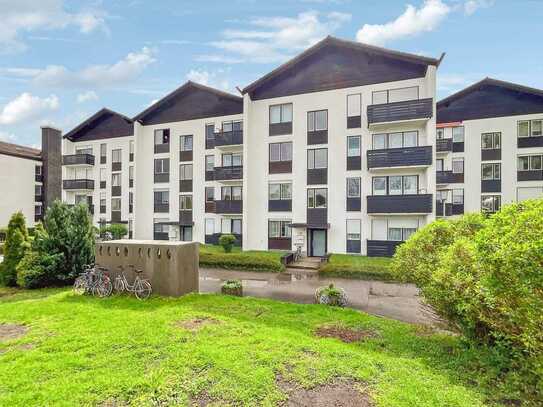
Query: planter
[[232, 287], [331, 295]]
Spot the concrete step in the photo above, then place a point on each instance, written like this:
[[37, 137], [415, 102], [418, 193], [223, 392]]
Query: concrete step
[[307, 263]]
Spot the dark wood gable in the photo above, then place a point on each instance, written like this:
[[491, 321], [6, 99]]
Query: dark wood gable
[[103, 125], [489, 98], [335, 64], [191, 101]]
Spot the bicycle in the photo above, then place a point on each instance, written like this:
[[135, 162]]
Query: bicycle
[[94, 280], [298, 253], [141, 287]]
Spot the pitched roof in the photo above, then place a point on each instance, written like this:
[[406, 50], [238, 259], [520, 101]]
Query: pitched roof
[[16, 150], [191, 101], [102, 125], [344, 64], [490, 98]]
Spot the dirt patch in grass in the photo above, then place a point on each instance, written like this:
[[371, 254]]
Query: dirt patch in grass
[[12, 331], [345, 334], [339, 393], [196, 324], [201, 400]]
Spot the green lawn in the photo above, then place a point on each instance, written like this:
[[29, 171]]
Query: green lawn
[[362, 267], [251, 260], [82, 350]]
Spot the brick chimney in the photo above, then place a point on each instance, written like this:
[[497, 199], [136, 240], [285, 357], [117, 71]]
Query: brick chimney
[[51, 150]]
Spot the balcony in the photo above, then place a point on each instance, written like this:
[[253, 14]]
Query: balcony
[[230, 138], [78, 159], [409, 110], [449, 177], [228, 173], [229, 206], [382, 248], [78, 184], [444, 145], [400, 157], [416, 203]]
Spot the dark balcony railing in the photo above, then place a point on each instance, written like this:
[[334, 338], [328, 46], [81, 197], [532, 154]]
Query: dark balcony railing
[[185, 185], [398, 111], [279, 244], [279, 205], [354, 163], [400, 157], [382, 248], [116, 191], [210, 207], [317, 176], [185, 218], [354, 204], [78, 184], [449, 177], [38, 178], [317, 137], [280, 167], [160, 235], [229, 206], [116, 217], [354, 122], [492, 154], [317, 217], [279, 129], [185, 155], [162, 148], [416, 203], [230, 138], [116, 166], [491, 185], [228, 173], [448, 209], [444, 145], [78, 159], [160, 207], [532, 175], [38, 198], [525, 142]]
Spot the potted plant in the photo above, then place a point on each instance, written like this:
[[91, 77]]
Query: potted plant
[[331, 296], [232, 287]]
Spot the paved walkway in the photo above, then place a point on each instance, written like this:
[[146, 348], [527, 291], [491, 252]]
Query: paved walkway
[[391, 300]]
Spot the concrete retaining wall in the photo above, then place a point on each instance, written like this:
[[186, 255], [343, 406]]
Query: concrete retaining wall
[[171, 267]]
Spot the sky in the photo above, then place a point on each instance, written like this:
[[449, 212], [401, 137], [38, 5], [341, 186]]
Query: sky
[[63, 60]]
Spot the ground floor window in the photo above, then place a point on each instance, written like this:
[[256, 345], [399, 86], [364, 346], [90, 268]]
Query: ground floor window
[[186, 233], [400, 234], [232, 226], [490, 203], [279, 229], [210, 226], [394, 229]]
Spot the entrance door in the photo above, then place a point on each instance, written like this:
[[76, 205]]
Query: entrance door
[[318, 242]]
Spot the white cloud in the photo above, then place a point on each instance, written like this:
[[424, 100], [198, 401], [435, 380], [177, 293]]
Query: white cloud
[[87, 96], [30, 15], [412, 22], [27, 107], [273, 39], [123, 71], [471, 6], [209, 79]]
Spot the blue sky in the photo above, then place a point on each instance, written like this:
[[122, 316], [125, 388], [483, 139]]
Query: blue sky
[[61, 61]]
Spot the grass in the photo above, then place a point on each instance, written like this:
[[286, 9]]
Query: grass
[[359, 267], [82, 350], [251, 260]]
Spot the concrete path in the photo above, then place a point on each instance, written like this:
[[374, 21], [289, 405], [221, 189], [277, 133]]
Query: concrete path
[[391, 300]]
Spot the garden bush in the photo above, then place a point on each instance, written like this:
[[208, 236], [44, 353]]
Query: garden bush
[[240, 261], [227, 242], [114, 231], [485, 276], [15, 248]]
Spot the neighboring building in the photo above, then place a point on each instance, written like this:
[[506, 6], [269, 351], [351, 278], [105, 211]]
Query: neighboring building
[[30, 179], [489, 147], [98, 165]]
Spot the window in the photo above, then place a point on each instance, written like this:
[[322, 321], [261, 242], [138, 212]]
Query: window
[[185, 172], [458, 196], [231, 160], [83, 150], [280, 152], [210, 226], [279, 229], [524, 128], [490, 141], [103, 177], [131, 173], [162, 137], [354, 105], [537, 128], [280, 191], [116, 179], [115, 204], [530, 163], [458, 134], [395, 95], [353, 229], [490, 203], [281, 113], [400, 234], [236, 226], [185, 143], [162, 197], [440, 164], [103, 153], [131, 146], [37, 170], [231, 193], [185, 202], [396, 185], [317, 197], [159, 227], [395, 140], [162, 165], [130, 198], [232, 126], [210, 194], [317, 158], [37, 190], [210, 162], [116, 156], [440, 134], [491, 171], [102, 201], [458, 165], [353, 187], [37, 210], [379, 185], [210, 135], [317, 121], [353, 146]]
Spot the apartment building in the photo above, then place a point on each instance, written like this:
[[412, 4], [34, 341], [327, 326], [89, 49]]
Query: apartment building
[[38, 177], [98, 167], [489, 147], [339, 150]]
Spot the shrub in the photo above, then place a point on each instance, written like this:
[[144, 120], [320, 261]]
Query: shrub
[[331, 296], [114, 231], [240, 261], [39, 270], [232, 287], [15, 247], [227, 242]]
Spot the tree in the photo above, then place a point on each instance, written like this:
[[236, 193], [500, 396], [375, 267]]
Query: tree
[[15, 247], [227, 242], [116, 231]]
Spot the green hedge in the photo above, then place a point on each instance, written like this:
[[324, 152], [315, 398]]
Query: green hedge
[[357, 267], [250, 261]]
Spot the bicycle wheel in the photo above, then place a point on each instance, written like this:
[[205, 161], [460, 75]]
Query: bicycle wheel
[[142, 289], [119, 285], [103, 287], [80, 286]]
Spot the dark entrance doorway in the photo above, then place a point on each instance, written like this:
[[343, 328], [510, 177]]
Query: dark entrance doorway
[[317, 242]]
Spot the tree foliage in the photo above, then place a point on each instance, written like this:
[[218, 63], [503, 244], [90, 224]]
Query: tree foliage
[[15, 248], [114, 231]]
